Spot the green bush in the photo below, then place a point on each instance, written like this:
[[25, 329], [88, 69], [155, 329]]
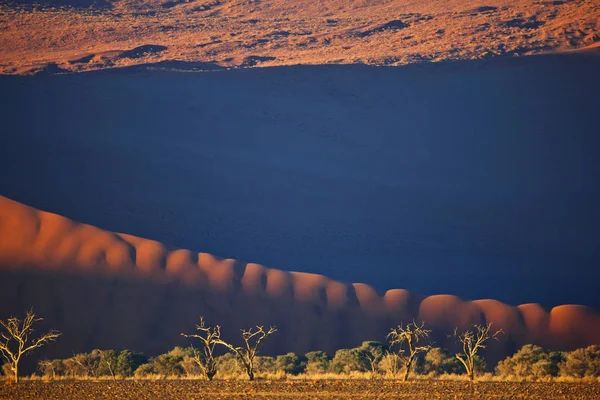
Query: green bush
[[129, 361], [317, 362], [349, 360], [582, 363], [265, 364], [229, 364], [291, 364], [144, 370], [437, 361], [169, 364], [530, 362]]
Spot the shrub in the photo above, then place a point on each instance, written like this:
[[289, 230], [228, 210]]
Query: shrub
[[530, 362], [265, 364], [437, 361], [317, 362], [582, 363], [144, 370], [349, 360], [291, 364], [229, 364], [83, 365], [391, 364], [169, 364], [129, 361], [5, 370]]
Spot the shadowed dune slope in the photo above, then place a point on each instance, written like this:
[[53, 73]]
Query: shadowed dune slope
[[113, 290], [476, 178]]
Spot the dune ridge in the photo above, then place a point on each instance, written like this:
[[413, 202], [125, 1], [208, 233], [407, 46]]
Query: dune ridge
[[311, 310]]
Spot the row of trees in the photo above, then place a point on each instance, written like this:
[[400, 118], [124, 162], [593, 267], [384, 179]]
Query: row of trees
[[407, 350], [373, 358], [404, 344]]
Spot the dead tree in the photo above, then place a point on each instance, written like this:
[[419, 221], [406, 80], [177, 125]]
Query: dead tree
[[407, 341], [252, 341], [209, 337], [472, 341], [15, 339]]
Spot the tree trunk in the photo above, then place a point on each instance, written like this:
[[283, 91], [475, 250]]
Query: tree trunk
[[406, 371], [471, 374], [250, 374], [16, 369]]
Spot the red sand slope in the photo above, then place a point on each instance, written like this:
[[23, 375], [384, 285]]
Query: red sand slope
[[105, 289]]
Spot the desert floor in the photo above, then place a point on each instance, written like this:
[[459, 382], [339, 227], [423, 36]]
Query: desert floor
[[333, 389]]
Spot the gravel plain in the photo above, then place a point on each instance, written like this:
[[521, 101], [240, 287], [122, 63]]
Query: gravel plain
[[330, 389]]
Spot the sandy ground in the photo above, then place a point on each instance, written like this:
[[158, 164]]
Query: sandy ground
[[300, 390]]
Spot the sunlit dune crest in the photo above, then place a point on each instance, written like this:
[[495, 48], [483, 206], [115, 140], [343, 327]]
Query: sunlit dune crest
[[311, 310]]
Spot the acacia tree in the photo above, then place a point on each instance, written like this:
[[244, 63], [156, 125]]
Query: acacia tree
[[209, 337], [374, 352], [252, 341], [108, 360], [472, 341], [83, 364], [407, 339], [15, 339]]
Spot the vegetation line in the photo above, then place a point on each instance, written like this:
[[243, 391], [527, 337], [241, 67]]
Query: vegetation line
[[407, 352]]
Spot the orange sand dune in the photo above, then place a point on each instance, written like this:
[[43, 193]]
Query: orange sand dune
[[105, 289], [241, 33]]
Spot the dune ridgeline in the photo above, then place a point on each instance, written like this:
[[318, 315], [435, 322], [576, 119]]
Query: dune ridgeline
[[113, 290]]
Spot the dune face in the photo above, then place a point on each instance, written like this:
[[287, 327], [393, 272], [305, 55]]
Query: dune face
[[240, 33], [475, 178], [112, 290]]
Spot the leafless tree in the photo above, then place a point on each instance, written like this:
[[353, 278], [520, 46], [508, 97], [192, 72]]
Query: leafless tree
[[209, 337], [406, 339], [252, 341], [16, 341], [472, 341]]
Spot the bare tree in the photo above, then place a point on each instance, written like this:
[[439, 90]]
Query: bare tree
[[209, 337], [407, 341], [15, 339], [472, 341], [252, 341]]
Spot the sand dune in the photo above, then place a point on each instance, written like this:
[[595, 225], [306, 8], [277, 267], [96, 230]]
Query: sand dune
[[482, 174], [239, 33], [105, 289]]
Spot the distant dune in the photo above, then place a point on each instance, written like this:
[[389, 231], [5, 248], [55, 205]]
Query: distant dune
[[241, 33], [105, 289]]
